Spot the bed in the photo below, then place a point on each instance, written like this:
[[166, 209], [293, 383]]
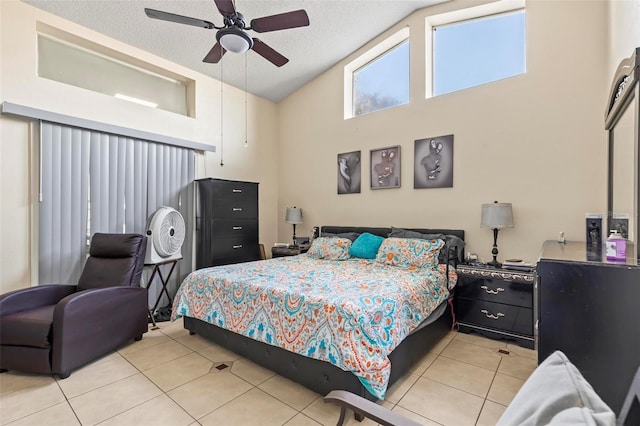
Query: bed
[[318, 359]]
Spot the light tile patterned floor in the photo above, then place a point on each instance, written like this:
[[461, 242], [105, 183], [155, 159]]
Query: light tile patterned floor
[[170, 378]]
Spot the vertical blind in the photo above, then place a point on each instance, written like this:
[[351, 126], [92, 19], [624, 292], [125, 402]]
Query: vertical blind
[[99, 182]]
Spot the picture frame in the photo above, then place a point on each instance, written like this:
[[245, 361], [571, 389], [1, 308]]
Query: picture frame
[[349, 172], [385, 167], [433, 162]]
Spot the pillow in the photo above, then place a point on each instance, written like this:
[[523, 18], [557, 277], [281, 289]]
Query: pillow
[[556, 393], [452, 242], [366, 246], [409, 252], [330, 248], [349, 235]]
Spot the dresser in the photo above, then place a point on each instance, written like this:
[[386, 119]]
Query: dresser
[[497, 303], [226, 222], [589, 308]]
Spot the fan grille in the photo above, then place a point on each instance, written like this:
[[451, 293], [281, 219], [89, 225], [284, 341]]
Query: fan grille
[[171, 236]]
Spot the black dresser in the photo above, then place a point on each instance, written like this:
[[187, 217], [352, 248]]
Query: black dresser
[[226, 222], [589, 308]]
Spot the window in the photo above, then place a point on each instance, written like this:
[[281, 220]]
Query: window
[[382, 83], [379, 78], [65, 58], [478, 51]]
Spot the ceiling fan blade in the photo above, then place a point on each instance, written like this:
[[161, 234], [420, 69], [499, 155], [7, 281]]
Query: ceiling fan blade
[[172, 17], [226, 7], [268, 53], [282, 21], [215, 54]]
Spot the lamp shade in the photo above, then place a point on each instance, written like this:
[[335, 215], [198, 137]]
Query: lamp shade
[[294, 215], [496, 215], [234, 40]]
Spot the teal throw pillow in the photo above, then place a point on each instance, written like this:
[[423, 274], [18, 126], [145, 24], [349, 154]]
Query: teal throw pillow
[[366, 246]]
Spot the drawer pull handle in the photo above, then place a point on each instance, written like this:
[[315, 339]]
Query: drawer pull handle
[[237, 228], [485, 288], [237, 190], [238, 246], [489, 315], [237, 209]]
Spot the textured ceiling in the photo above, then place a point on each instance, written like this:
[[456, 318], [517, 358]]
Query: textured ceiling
[[337, 28]]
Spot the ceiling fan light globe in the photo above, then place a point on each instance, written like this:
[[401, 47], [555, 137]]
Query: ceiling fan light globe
[[234, 40]]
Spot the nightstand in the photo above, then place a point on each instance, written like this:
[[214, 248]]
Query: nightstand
[[288, 251], [497, 303]]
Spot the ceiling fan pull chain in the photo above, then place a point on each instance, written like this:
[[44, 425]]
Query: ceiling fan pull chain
[[246, 110], [221, 119]]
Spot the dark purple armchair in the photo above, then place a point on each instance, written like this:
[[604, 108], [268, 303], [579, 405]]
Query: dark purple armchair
[[57, 328]]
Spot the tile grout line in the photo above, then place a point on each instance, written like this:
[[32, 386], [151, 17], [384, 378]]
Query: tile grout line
[[495, 373]]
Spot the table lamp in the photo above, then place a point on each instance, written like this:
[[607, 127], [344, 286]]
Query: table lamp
[[293, 216], [496, 216]]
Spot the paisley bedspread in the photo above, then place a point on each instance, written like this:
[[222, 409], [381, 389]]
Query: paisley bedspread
[[350, 313]]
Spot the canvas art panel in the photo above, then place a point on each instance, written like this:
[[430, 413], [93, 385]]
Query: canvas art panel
[[349, 173], [385, 167], [433, 162]]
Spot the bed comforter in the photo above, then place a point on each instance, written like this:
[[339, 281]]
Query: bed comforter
[[350, 313]]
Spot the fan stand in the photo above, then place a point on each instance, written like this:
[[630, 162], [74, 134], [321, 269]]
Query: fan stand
[[164, 281]]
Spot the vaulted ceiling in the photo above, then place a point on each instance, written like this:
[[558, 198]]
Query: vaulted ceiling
[[337, 28]]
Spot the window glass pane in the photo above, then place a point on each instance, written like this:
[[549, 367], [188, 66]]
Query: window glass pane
[[82, 68], [471, 53], [383, 82]]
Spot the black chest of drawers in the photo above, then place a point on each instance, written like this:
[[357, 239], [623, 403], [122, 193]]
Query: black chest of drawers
[[226, 222], [495, 302]]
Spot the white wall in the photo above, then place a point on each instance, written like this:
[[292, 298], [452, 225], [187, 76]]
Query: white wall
[[20, 84], [624, 24], [535, 140]]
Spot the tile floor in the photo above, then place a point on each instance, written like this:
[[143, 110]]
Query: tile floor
[[170, 378]]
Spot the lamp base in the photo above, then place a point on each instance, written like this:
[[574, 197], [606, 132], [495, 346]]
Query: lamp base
[[494, 263]]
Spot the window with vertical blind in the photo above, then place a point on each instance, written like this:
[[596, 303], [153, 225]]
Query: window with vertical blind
[[98, 182]]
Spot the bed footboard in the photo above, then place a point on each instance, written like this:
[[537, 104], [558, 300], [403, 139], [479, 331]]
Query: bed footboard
[[320, 376]]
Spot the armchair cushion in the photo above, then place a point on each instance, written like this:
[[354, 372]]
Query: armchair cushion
[[557, 393], [28, 328], [116, 260]]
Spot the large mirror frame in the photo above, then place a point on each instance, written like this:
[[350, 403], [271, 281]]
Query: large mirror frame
[[624, 186]]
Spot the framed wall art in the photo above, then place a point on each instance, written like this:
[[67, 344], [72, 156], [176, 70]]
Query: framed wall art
[[385, 167], [349, 173], [433, 162]]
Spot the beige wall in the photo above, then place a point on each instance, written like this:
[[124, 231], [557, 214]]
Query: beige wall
[[19, 84], [535, 140]]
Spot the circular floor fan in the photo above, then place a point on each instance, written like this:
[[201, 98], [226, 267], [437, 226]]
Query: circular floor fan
[[165, 236]]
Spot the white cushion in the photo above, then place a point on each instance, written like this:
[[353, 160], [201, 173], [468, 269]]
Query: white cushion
[[557, 394]]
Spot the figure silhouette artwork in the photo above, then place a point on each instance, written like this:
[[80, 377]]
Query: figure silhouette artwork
[[349, 173], [385, 168], [432, 163]]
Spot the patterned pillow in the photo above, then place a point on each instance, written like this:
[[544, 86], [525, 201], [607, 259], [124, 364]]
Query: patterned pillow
[[330, 248], [409, 252]]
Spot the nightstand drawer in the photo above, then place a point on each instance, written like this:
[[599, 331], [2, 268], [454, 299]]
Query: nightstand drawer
[[507, 318], [496, 291]]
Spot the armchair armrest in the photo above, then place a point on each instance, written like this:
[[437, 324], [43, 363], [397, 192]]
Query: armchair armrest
[[384, 416], [98, 305], [91, 322], [33, 297]]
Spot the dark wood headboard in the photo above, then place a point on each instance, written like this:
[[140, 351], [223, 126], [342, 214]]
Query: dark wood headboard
[[384, 232]]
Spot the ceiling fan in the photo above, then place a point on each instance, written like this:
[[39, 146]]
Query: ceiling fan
[[233, 35]]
